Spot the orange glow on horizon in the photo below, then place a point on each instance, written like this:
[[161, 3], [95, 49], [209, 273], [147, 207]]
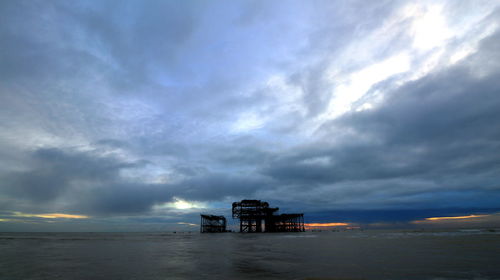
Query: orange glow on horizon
[[51, 216], [454, 218], [326, 224], [451, 218]]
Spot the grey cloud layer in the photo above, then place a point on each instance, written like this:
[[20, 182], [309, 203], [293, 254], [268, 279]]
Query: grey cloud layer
[[433, 138], [113, 108]]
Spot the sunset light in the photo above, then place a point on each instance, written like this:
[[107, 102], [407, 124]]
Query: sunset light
[[50, 216], [455, 218], [326, 224]]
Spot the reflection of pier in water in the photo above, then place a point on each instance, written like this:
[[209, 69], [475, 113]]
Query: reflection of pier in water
[[256, 216]]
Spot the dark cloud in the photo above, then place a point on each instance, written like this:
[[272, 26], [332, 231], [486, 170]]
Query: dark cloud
[[56, 173], [216, 187], [122, 198], [94, 184]]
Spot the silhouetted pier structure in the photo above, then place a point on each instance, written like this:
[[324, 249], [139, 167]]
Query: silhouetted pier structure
[[287, 223], [254, 216], [212, 223], [253, 213]]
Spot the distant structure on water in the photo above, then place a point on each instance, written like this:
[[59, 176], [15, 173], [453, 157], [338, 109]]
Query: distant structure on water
[[255, 216], [211, 223]]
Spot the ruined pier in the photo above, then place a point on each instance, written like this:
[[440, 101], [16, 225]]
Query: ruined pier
[[255, 216], [212, 223]]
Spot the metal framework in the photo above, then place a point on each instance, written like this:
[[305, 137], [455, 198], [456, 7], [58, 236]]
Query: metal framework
[[288, 223], [212, 223], [252, 213]]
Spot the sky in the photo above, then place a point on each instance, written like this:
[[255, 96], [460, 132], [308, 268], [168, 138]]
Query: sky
[[140, 115]]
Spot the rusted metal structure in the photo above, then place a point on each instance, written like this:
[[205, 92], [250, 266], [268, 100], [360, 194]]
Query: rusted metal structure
[[212, 223], [287, 223], [253, 213]]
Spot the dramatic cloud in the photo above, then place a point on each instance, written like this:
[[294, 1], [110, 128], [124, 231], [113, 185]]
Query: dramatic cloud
[[142, 115]]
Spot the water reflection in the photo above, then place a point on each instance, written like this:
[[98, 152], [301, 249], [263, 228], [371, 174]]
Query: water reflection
[[332, 255]]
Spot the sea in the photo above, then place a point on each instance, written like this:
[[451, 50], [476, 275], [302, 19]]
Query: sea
[[358, 254]]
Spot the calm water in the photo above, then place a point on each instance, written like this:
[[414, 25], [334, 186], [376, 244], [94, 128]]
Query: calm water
[[309, 255]]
